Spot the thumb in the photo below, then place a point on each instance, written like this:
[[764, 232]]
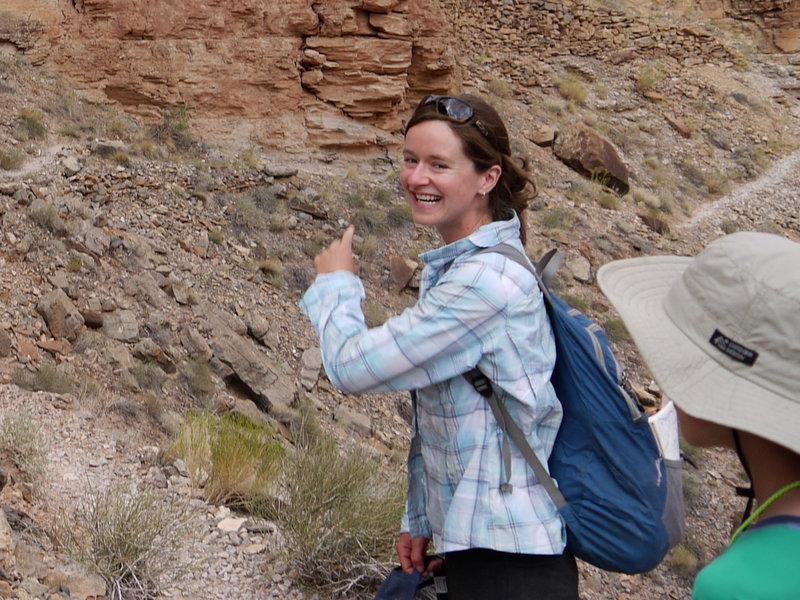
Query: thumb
[[347, 237]]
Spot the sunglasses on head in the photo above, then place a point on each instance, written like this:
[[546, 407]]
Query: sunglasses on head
[[455, 110]]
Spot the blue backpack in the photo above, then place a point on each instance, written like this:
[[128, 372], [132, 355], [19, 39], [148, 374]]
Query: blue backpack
[[620, 498]]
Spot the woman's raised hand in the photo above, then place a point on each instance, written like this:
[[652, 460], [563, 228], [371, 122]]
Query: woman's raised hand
[[338, 256]]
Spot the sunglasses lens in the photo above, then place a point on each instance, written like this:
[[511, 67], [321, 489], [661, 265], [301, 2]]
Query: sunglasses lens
[[456, 109], [453, 108]]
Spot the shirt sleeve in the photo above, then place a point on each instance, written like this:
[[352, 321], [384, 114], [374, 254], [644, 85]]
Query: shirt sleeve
[[438, 338]]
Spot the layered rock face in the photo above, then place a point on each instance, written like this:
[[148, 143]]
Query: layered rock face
[[334, 73], [779, 20], [300, 74]]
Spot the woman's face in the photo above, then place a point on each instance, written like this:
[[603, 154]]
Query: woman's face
[[441, 183]]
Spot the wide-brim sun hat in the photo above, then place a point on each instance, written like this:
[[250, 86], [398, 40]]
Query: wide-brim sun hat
[[720, 332]]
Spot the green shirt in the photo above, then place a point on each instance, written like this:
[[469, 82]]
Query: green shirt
[[762, 564]]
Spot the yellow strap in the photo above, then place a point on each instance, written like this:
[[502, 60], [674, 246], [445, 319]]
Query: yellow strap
[[761, 508]]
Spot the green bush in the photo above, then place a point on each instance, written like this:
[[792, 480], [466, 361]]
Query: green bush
[[234, 460], [245, 462], [173, 130], [339, 512]]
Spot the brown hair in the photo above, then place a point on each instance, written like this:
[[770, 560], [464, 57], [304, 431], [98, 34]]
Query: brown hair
[[484, 139]]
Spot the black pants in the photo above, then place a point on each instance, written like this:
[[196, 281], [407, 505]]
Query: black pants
[[480, 574]]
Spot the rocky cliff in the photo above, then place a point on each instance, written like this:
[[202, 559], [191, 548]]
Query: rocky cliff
[[301, 74]]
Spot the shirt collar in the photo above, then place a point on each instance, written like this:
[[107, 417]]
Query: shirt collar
[[486, 236]]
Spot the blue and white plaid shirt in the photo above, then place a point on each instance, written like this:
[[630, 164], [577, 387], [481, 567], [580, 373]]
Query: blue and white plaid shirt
[[485, 311]]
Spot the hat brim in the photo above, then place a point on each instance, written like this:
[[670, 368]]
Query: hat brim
[[697, 383]]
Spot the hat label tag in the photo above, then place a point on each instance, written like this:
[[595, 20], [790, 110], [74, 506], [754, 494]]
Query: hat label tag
[[733, 349]]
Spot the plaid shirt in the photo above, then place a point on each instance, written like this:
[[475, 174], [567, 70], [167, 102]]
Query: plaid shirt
[[484, 311]]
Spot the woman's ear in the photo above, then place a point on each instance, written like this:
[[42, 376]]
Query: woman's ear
[[490, 178]]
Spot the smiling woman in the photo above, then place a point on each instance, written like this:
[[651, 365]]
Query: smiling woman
[[498, 529]]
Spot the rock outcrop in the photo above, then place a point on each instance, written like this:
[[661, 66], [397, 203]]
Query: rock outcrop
[[339, 74]]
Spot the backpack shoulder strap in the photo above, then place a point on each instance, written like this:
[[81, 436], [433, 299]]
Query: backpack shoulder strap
[[549, 264], [511, 430]]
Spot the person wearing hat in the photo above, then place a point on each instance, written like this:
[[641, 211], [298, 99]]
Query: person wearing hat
[[721, 335]]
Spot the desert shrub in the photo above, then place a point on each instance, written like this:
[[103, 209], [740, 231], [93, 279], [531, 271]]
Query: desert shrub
[[149, 376], [648, 78], [717, 182], [246, 216], [370, 221], [577, 302], [339, 512], [29, 125], [46, 379], [216, 236], [608, 200], [769, 226], [558, 217], [398, 215], [197, 373], [265, 197], [11, 160], [46, 216], [234, 460], [729, 226], [615, 330], [355, 200], [683, 561], [131, 538], [311, 247], [23, 441], [369, 246], [249, 158], [173, 130], [572, 87], [384, 196], [245, 462], [500, 87]]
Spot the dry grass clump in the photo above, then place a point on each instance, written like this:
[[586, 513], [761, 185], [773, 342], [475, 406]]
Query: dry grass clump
[[29, 125], [46, 216], [46, 379], [558, 217], [232, 459], [572, 87], [23, 442], [199, 379], [11, 160], [149, 376], [339, 512], [648, 78], [615, 329], [131, 538]]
